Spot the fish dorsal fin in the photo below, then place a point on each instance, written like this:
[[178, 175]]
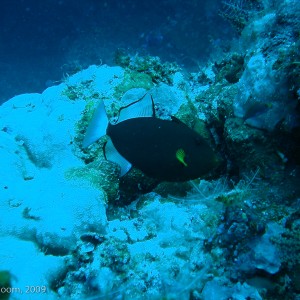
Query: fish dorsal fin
[[144, 107], [112, 154]]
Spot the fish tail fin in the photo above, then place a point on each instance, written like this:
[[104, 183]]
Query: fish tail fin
[[97, 127]]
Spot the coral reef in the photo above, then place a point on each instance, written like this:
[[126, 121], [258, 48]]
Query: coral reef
[[86, 232], [152, 66]]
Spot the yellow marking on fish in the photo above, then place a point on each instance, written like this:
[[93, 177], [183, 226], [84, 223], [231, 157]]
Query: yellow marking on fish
[[180, 155]]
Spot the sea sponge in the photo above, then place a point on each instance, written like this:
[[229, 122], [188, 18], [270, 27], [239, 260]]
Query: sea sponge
[[263, 99]]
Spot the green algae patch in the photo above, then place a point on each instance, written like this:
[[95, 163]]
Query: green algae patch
[[133, 79], [101, 174], [187, 114], [150, 65], [83, 90], [5, 285]]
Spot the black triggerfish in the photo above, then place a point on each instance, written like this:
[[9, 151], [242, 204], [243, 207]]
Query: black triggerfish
[[164, 149]]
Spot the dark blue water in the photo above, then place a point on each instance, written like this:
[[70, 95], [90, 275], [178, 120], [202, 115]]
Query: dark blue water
[[41, 41]]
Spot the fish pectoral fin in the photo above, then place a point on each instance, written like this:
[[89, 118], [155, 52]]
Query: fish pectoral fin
[[180, 155], [112, 154]]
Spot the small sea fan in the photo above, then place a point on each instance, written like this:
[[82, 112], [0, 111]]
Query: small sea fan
[[238, 12], [204, 191], [220, 190]]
